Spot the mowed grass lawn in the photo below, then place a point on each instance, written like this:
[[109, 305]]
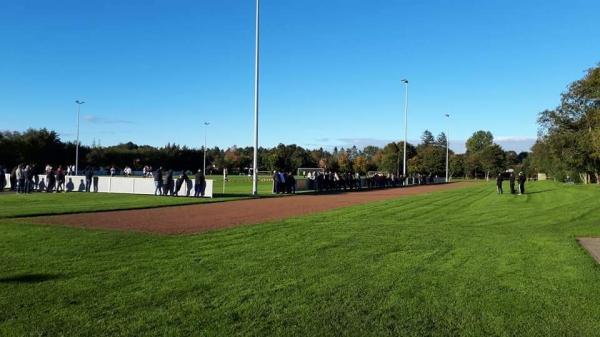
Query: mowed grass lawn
[[241, 185], [13, 205], [461, 262]]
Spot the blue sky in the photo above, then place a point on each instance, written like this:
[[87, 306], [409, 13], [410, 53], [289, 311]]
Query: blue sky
[[153, 71]]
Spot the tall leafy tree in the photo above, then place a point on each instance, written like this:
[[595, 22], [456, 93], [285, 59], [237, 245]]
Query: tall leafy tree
[[344, 162], [571, 132], [493, 160], [392, 156], [479, 141], [457, 165], [360, 165], [483, 156]]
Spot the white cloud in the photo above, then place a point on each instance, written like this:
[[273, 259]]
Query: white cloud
[[508, 143], [102, 120], [513, 139], [362, 142], [516, 143]]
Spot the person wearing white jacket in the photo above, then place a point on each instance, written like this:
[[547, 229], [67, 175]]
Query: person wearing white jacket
[[20, 179]]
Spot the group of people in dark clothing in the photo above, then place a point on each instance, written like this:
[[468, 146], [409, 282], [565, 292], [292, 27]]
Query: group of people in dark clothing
[[283, 183], [328, 181], [26, 179], [165, 184], [520, 179]]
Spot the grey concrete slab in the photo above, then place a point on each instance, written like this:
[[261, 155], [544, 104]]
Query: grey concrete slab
[[592, 245]]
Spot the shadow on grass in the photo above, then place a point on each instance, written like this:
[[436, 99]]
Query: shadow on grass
[[30, 278], [239, 195], [365, 189], [542, 191]]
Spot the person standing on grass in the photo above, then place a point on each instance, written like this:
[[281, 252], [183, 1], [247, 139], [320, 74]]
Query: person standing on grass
[[2, 178], [499, 183], [13, 179], [291, 182], [187, 181], [169, 183], [199, 181], [20, 178], [179, 182], [35, 179], [511, 180], [158, 181], [275, 182], [522, 180], [281, 182], [29, 179], [89, 175], [60, 179], [50, 181]]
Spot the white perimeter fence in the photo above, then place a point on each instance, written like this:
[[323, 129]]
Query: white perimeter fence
[[105, 184]]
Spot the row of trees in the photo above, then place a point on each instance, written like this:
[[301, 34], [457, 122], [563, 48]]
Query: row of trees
[[568, 143], [482, 158]]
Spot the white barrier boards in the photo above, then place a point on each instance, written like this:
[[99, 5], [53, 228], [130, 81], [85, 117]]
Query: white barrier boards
[[129, 185]]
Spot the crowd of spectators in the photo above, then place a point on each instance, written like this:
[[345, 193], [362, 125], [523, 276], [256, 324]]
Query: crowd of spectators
[[26, 179], [284, 182], [165, 184], [329, 181]]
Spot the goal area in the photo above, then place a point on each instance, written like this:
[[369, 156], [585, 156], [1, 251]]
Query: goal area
[[304, 171], [374, 173]]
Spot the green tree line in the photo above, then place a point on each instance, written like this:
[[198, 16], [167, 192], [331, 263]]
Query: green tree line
[[482, 158], [568, 144]]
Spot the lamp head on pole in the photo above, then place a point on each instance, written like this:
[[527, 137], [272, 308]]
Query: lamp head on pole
[[447, 115], [206, 123], [79, 102], [405, 81]]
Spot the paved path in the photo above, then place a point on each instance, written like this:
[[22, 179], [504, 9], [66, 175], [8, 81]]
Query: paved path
[[203, 217], [592, 245]]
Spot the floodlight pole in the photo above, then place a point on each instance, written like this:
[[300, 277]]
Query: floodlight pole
[[256, 73], [447, 147], [405, 125], [206, 124], [79, 103]]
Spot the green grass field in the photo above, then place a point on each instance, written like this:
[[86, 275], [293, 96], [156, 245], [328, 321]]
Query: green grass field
[[240, 185], [462, 262], [12, 205]]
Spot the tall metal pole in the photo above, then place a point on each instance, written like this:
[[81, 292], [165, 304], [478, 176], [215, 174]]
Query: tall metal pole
[[405, 124], [256, 73], [79, 103], [205, 132], [447, 146]]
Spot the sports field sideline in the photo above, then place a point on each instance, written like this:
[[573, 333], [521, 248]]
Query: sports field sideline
[[13, 205], [455, 262], [200, 218]]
